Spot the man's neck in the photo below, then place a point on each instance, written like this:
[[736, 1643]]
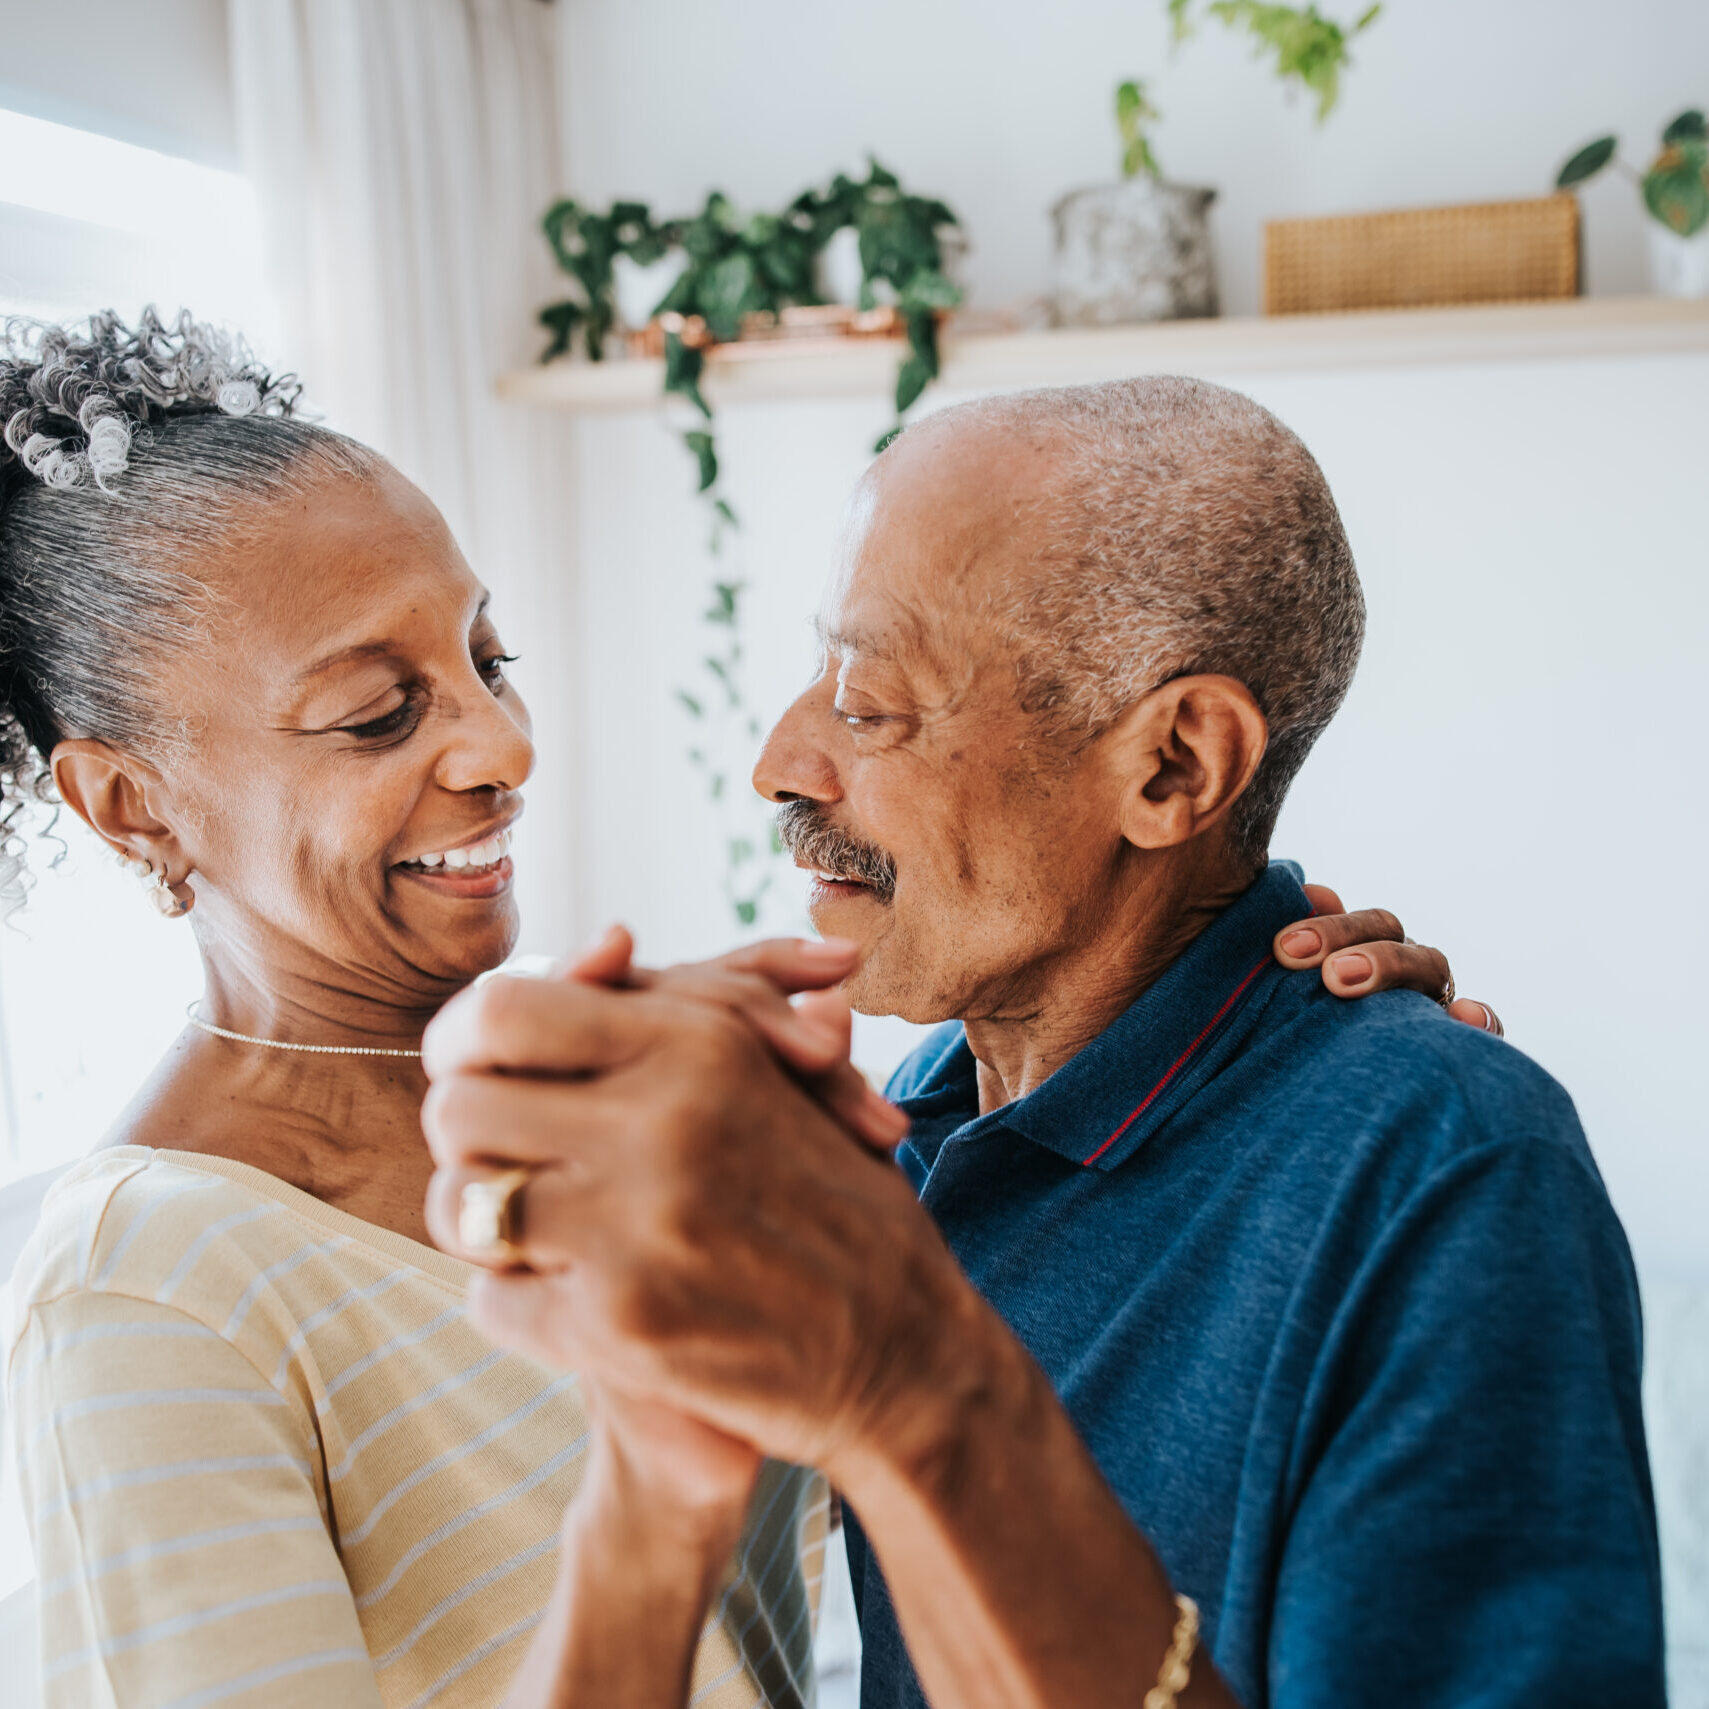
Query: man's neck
[[1082, 989]]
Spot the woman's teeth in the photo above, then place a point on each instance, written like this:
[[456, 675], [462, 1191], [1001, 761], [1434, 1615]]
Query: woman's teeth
[[472, 858]]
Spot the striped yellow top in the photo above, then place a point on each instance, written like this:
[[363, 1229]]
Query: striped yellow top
[[267, 1461]]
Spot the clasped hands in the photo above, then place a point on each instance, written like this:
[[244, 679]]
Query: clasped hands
[[714, 1234]]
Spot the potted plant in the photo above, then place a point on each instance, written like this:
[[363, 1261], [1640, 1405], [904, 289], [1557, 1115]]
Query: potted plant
[[1676, 193], [697, 280], [1140, 249]]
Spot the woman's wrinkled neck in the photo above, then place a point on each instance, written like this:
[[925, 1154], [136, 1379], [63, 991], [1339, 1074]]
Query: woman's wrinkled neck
[[345, 1128], [292, 996]]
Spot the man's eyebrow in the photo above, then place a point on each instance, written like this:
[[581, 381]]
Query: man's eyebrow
[[865, 642], [372, 649]]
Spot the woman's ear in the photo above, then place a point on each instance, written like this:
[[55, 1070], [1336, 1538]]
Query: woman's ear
[[111, 793], [1186, 752]]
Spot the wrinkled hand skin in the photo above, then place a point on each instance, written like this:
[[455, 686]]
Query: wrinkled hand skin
[[699, 1231], [1362, 953]]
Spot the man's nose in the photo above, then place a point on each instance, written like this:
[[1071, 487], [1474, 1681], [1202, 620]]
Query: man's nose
[[793, 766]]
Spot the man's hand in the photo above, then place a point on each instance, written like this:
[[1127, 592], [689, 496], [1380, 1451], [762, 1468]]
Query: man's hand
[[810, 1035], [700, 1234], [1369, 951], [698, 1230]]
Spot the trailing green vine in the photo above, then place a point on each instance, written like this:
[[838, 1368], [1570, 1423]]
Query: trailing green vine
[[734, 267], [1307, 48]]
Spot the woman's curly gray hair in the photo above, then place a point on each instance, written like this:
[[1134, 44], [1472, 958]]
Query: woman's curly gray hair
[[126, 455]]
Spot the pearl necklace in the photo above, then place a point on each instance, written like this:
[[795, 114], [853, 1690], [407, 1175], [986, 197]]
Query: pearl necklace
[[279, 1044]]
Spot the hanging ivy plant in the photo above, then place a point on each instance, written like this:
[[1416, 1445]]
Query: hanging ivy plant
[[1307, 48], [736, 266], [763, 263]]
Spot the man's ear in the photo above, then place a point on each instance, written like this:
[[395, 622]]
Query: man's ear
[[113, 794], [1186, 752]]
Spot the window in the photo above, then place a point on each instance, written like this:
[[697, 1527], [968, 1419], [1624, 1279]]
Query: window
[[93, 984]]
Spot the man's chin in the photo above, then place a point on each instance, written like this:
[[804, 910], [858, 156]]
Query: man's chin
[[874, 988], [841, 898]]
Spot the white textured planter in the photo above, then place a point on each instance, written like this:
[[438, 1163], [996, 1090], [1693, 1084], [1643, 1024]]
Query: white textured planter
[[1137, 250], [637, 290], [839, 268], [1679, 266]]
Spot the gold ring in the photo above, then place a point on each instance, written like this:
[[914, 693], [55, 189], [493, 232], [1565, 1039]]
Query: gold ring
[[1447, 996], [489, 1214]]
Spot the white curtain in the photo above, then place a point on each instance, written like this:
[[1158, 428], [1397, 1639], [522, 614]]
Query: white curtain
[[403, 152]]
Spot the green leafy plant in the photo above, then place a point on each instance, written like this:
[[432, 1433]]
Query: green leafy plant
[[1308, 49], [586, 245], [1676, 186], [761, 263], [1134, 114], [726, 729], [735, 266]]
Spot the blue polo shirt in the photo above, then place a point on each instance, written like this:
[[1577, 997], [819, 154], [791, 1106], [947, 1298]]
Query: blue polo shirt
[[1335, 1296]]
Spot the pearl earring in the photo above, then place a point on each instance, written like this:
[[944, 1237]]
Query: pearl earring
[[165, 903]]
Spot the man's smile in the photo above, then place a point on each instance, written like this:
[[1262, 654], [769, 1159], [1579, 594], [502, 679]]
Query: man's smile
[[829, 886]]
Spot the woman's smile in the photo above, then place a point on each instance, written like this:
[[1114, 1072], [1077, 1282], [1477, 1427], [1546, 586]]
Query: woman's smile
[[474, 870]]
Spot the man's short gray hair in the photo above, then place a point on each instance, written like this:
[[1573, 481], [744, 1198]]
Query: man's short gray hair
[[1187, 532]]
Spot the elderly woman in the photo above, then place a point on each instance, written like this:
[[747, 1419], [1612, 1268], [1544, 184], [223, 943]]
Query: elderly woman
[[266, 1459]]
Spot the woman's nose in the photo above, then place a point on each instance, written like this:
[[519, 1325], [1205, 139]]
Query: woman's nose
[[491, 746]]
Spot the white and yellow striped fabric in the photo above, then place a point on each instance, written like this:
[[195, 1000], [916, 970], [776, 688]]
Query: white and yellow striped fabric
[[266, 1461]]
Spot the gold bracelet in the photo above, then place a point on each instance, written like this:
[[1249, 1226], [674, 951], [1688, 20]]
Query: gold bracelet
[[1177, 1666]]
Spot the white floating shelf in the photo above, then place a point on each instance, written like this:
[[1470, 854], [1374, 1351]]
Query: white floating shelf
[[1508, 332]]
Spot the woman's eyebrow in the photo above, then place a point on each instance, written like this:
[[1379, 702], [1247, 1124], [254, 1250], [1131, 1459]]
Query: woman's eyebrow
[[375, 649], [349, 655]]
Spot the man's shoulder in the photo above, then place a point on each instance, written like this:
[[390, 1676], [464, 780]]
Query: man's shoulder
[[1418, 1089]]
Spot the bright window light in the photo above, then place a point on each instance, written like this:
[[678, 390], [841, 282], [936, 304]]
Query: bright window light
[[92, 983], [88, 222], [80, 175]]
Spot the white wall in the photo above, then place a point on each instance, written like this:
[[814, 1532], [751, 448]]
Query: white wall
[[1002, 105], [1521, 756], [1518, 772]]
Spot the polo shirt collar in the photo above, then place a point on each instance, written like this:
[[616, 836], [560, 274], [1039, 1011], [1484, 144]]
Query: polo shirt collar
[[1099, 1107]]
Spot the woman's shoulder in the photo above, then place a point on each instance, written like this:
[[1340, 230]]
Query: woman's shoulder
[[72, 1237], [200, 1235]]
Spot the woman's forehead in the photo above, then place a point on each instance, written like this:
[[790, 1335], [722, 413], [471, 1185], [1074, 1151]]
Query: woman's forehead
[[356, 565]]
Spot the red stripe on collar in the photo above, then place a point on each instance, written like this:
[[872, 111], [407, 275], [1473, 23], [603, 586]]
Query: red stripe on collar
[[1179, 1063]]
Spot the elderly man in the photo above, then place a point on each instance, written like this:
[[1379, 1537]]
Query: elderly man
[[1195, 1283]]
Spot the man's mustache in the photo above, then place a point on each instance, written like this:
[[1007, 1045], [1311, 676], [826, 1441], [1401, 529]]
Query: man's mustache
[[806, 830]]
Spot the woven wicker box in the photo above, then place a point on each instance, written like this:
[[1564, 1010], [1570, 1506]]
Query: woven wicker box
[[1491, 252]]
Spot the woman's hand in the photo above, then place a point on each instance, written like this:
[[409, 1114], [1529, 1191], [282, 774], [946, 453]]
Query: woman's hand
[[1363, 953], [809, 1034], [668, 1469], [644, 1546]]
